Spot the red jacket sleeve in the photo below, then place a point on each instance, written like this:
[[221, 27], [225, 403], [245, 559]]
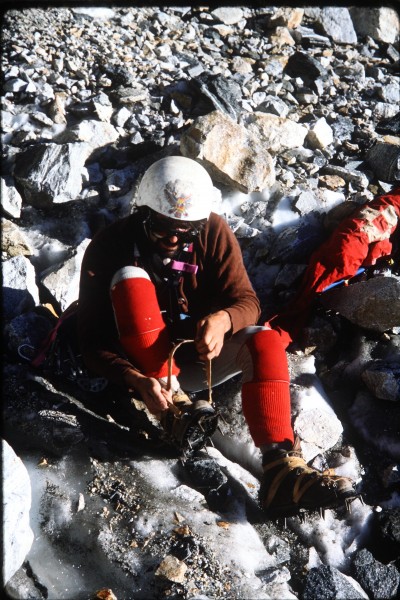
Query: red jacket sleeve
[[358, 241]]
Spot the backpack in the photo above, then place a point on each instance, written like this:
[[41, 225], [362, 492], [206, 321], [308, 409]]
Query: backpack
[[59, 354]]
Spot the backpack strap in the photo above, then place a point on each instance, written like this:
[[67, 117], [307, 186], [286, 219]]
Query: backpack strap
[[50, 339]]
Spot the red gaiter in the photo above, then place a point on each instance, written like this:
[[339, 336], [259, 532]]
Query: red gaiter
[[142, 331], [266, 399]]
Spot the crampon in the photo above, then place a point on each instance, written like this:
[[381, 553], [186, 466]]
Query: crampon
[[190, 428], [189, 425]]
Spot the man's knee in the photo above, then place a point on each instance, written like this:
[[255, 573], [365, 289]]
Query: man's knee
[[128, 272], [268, 356]]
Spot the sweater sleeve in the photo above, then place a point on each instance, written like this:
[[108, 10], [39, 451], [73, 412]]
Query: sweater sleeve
[[229, 283]]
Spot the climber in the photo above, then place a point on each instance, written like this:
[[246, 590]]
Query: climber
[[173, 270], [360, 241]]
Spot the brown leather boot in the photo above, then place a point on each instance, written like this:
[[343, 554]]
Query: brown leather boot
[[289, 485]]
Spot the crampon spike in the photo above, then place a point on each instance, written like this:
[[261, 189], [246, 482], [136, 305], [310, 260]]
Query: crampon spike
[[302, 517], [349, 501], [222, 418], [322, 512]]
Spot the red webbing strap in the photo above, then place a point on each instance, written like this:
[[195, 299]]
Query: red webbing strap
[[50, 338]]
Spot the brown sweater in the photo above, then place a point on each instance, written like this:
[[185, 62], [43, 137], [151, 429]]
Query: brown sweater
[[221, 282]]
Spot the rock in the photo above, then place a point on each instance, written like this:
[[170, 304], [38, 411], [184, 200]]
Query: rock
[[171, 569], [277, 133], [222, 94], [377, 423], [13, 241], [383, 379], [381, 23], [20, 292], [63, 281], [320, 134], [390, 125], [287, 16], [373, 304], [329, 583], [305, 66], [384, 160], [314, 420], [385, 538], [11, 200], [244, 163], [51, 173], [228, 15], [16, 496], [378, 580], [95, 133], [358, 179], [337, 24]]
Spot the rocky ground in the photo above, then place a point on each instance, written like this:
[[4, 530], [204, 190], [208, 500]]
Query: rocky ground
[[294, 112]]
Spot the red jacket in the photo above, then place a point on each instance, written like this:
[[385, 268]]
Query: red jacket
[[358, 241]]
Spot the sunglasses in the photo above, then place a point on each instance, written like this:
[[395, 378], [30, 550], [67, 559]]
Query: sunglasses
[[162, 227]]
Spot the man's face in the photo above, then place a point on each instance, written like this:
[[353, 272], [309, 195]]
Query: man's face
[[168, 235]]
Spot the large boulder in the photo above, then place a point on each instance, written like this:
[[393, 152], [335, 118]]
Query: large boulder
[[17, 533]]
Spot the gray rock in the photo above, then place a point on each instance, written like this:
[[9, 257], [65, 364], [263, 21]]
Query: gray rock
[[305, 66], [384, 160], [95, 134], [381, 582], [11, 200], [228, 15], [329, 583], [337, 24], [381, 23], [20, 292], [51, 173], [390, 125], [377, 423], [63, 281], [17, 533], [383, 379], [358, 179], [274, 105], [373, 304], [385, 529]]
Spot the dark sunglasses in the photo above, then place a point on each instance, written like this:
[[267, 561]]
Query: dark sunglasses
[[165, 228]]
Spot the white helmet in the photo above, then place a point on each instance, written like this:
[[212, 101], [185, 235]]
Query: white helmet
[[177, 187]]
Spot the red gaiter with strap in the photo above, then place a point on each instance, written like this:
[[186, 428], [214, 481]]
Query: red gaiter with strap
[[142, 331], [266, 399]]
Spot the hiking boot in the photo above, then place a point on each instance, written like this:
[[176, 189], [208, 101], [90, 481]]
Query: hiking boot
[[289, 485], [190, 427]]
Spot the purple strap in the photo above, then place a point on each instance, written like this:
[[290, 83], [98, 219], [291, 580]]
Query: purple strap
[[177, 265]]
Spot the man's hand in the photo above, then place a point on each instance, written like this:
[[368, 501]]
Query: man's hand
[[156, 398], [211, 333]]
